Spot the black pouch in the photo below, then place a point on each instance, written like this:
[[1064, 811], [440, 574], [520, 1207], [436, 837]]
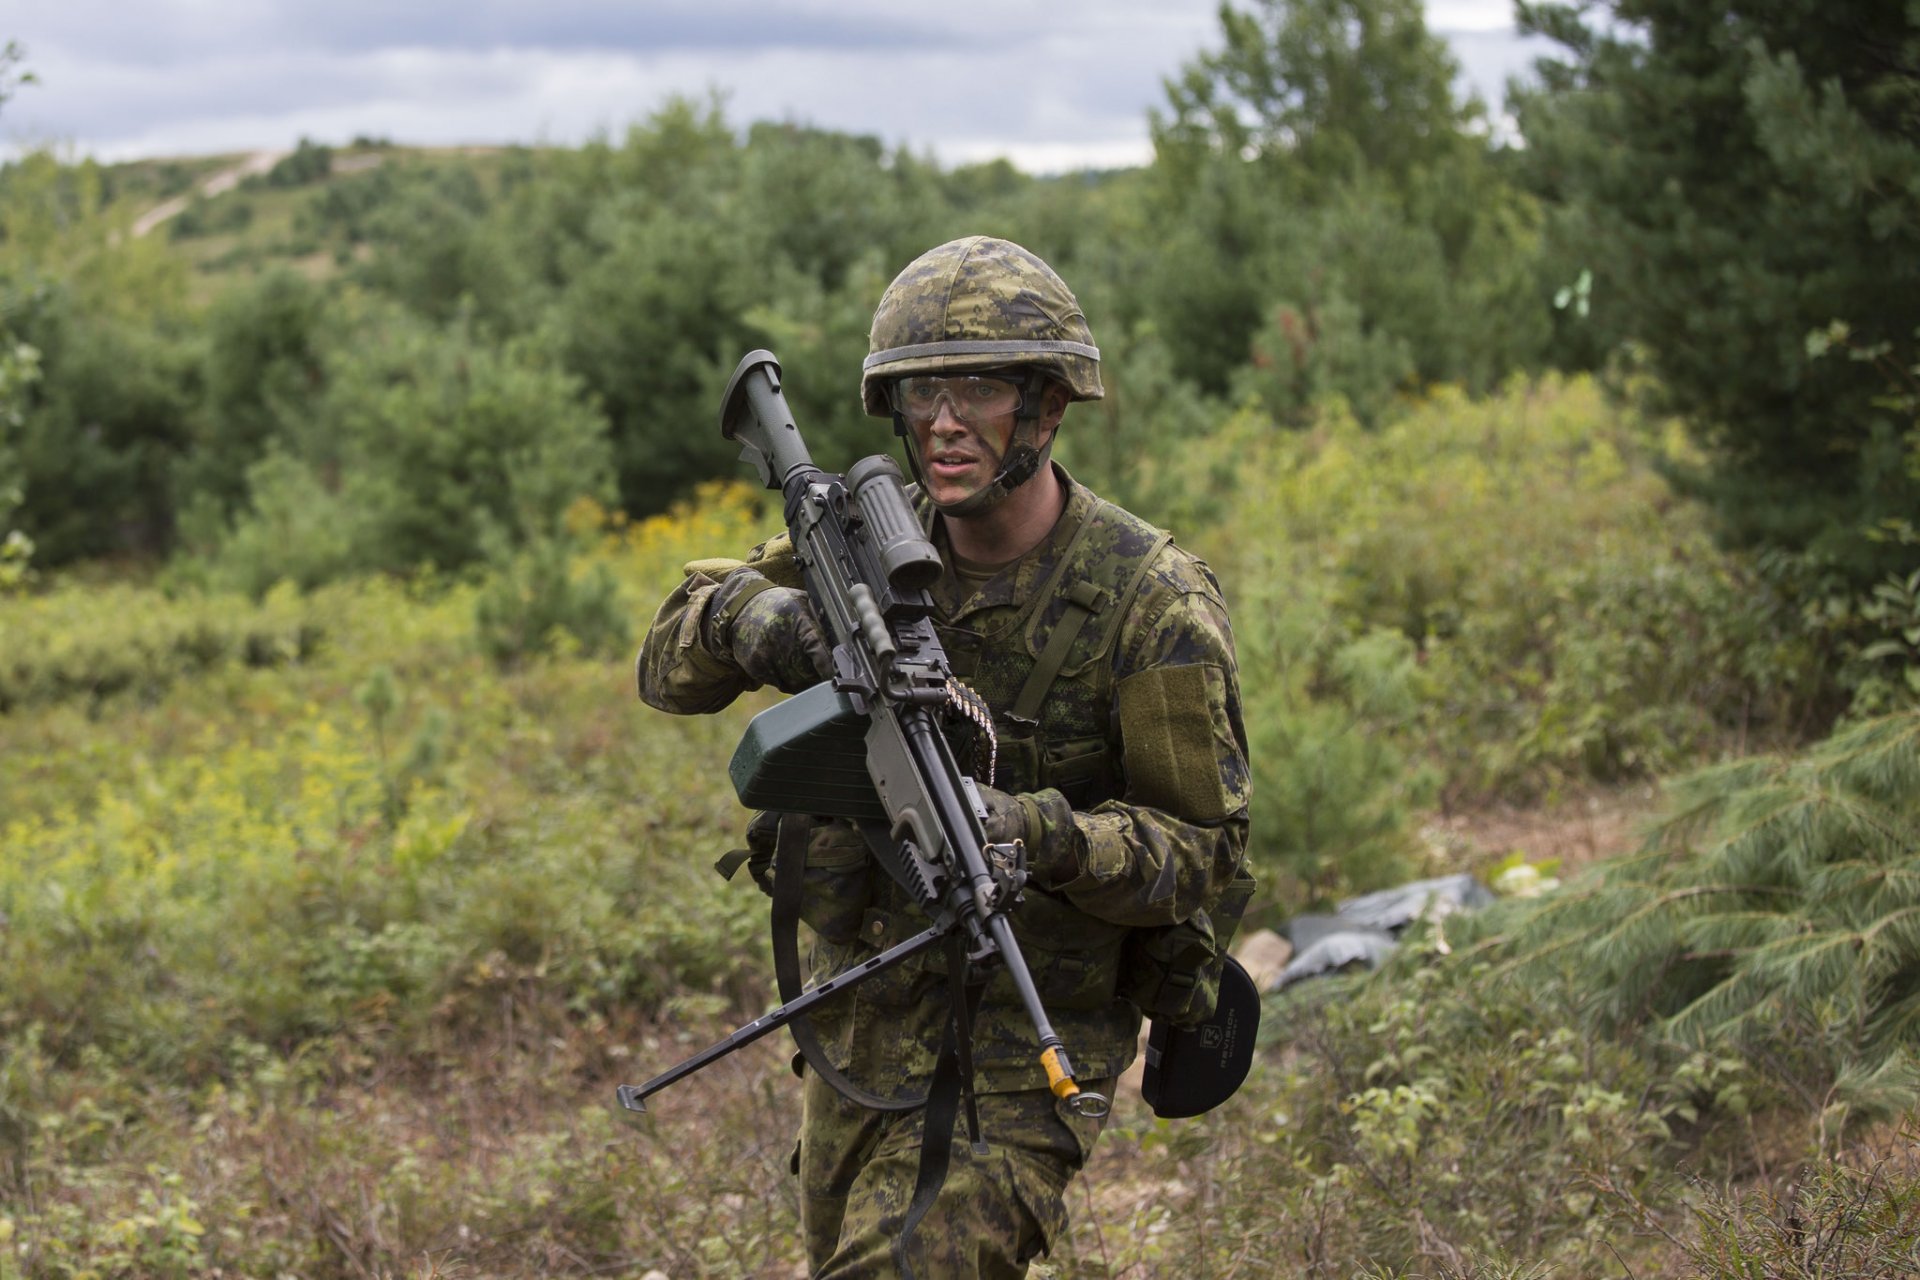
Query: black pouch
[[1192, 1070], [1173, 972]]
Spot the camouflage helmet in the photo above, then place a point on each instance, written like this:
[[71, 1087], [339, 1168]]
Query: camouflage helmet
[[975, 304]]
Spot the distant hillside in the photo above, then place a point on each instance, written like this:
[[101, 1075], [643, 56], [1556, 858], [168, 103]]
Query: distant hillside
[[315, 207]]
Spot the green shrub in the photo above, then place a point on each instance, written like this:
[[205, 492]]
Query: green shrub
[[308, 162], [1776, 915], [545, 599], [428, 447], [1432, 1120], [1571, 617], [93, 643], [385, 828], [1858, 1216]]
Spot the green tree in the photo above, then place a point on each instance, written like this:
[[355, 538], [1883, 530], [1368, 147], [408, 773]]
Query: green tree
[[426, 445], [1739, 175], [262, 371], [1324, 91], [101, 428], [1318, 180], [1775, 913]]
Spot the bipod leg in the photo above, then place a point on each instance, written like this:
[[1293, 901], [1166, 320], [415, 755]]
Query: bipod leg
[[634, 1097]]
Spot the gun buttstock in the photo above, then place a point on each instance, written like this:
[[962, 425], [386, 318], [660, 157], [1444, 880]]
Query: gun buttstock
[[754, 412]]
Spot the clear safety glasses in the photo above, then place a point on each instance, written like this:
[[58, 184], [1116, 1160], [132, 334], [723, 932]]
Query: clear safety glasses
[[972, 398]]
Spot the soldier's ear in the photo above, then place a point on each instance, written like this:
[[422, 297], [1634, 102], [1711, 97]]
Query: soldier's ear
[[1053, 405]]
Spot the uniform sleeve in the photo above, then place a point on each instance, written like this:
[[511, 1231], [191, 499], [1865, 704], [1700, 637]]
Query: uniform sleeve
[[1178, 834], [677, 670]]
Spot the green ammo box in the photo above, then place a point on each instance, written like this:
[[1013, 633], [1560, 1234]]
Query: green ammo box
[[807, 755]]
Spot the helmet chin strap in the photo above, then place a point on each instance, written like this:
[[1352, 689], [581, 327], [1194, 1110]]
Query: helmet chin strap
[[1021, 462]]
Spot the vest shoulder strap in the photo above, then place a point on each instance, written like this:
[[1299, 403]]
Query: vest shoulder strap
[[1086, 598]]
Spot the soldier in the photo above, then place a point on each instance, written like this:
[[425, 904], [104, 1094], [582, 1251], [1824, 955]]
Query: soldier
[[1119, 759]]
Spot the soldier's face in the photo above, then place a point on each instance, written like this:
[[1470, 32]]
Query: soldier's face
[[959, 459]]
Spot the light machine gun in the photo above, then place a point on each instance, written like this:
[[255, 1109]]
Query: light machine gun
[[867, 745]]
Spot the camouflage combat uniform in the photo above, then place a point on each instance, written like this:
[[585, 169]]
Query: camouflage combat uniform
[[1134, 763]]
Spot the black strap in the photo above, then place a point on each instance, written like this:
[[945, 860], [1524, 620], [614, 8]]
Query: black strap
[[789, 881], [952, 1083]]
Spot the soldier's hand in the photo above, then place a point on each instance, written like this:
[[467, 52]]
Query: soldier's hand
[[1010, 818], [771, 633]]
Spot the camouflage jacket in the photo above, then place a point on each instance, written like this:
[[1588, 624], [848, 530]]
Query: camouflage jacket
[[1136, 763]]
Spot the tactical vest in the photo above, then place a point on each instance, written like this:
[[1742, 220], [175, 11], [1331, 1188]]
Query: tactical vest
[[1047, 673]]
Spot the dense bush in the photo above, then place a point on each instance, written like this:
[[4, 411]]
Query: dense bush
[[1486, 598], [1774, 916], [426, 447], [1738, 175], [380, 821], [93, 643]]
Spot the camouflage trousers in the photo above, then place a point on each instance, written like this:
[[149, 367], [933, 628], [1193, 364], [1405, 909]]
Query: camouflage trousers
[[993, 1215]]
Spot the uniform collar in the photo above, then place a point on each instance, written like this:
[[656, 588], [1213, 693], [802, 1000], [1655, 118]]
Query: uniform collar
[[1015, 583]]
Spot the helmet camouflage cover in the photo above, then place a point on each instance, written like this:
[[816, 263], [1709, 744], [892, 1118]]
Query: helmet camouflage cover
[[976, 304]]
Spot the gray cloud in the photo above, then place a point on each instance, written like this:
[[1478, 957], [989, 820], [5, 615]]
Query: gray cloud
[[1055, 87]]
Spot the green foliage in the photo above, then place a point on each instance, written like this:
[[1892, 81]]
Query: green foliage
[[1858, 1216], [1325, 208], [93, 643], [419, 848], [19, 368], [1500, 596], [203, 217], [1774, 915], [1737, 175], [1893, 659], [428, 446], [262, 368], [90, 443], [11, 56], [1434, 1122], [434, 261], [308, 162], [545, 598]]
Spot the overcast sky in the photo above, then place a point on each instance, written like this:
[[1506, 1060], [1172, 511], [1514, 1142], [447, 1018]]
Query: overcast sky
[[1058, 85]]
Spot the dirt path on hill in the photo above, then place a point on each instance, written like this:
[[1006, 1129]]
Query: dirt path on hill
[[225, 180]]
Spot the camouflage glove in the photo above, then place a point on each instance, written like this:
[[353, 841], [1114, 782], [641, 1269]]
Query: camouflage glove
[[769, 632]]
